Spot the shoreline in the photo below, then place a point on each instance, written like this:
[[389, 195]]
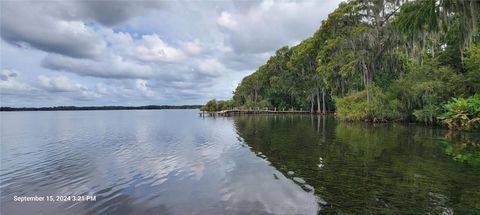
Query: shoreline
[[89, 108], [249, 112], [230, 113]]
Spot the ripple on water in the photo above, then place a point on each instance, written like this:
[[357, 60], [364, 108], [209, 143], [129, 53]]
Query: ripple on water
[[141, 162]]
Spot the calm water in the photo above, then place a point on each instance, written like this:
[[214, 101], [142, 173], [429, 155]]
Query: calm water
[[175, 162]]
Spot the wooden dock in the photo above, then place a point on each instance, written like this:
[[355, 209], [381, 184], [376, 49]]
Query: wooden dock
[[232, 112]]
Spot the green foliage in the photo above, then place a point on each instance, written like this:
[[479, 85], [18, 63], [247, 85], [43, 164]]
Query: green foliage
[[425, 86], [210, 106], [472, 65], [264, 104], [224, 105], [218, 105], [427, 113], [412, 56], [415, 17], [356, 107], [392, 66], [462, 114], [472, 59]]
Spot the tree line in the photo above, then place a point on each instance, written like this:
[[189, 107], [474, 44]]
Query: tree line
[[376, 60], [67, 108]]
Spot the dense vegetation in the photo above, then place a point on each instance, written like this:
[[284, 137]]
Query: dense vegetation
[[462, 113], [214, 105], [375, 60], [65, 108]]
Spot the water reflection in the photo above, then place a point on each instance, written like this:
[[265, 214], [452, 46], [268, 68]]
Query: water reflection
[[363, 169], [174, 162], [463, 147], [139, 162]]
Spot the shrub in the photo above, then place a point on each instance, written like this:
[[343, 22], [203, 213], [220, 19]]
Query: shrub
[[423, 87], [218, 105], [355, 106], [264, 104], [462, 114], [427, 114]]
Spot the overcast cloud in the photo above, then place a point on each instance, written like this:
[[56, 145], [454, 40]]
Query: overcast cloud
[[59, 52]]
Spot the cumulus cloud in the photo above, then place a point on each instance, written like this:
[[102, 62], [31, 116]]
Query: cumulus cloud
[[10, 85], [192, 47], [62, 26], [226, 20], [142, 85], [110, 13], [152, 48], [126, 89], [167, 52], [59, 84], [6, 75], [63, 84], [211, 67], [23, 24], [113, 66], [14, 91], [273, 24]]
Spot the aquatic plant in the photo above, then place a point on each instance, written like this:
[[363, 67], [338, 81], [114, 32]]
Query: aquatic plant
[[462, 114]]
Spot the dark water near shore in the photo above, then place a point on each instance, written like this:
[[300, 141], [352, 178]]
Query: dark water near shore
[[175, 162]]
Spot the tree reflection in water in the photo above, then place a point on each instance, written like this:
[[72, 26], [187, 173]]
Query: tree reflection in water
[[363, 168]]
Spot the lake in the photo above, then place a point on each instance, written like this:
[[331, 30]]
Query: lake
[[176, 162]]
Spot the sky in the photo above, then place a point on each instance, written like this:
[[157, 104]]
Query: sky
[[106, 52]]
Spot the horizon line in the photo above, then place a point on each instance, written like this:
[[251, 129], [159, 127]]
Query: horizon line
[[99, 107]]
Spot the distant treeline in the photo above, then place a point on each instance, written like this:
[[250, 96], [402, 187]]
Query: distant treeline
[[66, 108]]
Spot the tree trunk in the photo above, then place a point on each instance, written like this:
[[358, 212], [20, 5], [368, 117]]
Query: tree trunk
[[323, 101], [367, 78], [369, 97], [312, 102], [318, 124], [318, 101]]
